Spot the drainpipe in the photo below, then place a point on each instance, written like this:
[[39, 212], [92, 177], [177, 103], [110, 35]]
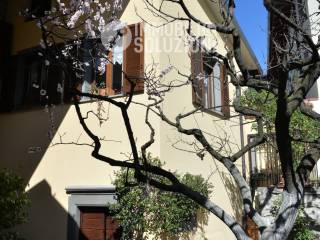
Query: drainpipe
[[243, 159]]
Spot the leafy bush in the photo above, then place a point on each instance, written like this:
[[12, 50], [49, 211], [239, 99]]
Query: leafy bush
[[301, 126], [146, 211], [13, 203], [301, 229]]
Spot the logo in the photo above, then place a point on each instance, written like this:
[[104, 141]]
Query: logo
[[113, 36]]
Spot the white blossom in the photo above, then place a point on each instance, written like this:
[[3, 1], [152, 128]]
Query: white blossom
[[43, 92], [86, 6], [97, 16], [78, 75], [102, 24], [102, 10], [117, 4], [108, 6], [38, 24], [75, 17], [59, 88], [41, 43], [102, 66], [89, 30]]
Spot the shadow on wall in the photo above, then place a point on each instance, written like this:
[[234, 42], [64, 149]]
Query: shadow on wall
[[234, 196], [47, 219], [25, 137]]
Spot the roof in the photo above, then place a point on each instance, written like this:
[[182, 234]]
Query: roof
[[250, 58]]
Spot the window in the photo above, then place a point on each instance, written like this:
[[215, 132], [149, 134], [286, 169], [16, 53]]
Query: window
[[125, 60], [210, 86], [131, 59], [27, 80], [31, 82], [37, 8], [114, 69], [89, 76]]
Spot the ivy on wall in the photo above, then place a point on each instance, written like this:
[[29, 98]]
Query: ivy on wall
[[13, 204], [145, 212]]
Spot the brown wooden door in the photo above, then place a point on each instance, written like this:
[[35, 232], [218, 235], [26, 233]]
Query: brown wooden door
[[97, 224]]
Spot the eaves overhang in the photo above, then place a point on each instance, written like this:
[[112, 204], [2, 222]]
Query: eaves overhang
[[250, 58]]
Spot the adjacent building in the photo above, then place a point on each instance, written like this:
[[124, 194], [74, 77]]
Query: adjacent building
[[65, 184]]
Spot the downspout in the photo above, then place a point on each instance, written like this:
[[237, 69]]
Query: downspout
[[243, 159]]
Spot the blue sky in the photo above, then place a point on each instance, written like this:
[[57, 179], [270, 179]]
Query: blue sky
[[252, 17]]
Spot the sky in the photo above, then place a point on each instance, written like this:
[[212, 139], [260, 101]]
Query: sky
[[253, 19]]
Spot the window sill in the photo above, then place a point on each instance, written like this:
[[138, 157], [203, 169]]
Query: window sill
[[115, 96], [213, 112]]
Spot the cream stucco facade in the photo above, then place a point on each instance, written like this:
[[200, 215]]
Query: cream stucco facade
[[49, 168]]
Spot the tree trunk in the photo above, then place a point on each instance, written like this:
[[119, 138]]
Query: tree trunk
[[285, 220]]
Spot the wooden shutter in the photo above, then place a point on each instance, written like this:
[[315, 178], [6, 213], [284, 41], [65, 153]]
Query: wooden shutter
[[224, 92], [197, 75], [113, 230], [133, 57], [109, 80]]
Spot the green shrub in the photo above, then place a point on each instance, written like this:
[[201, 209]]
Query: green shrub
[[144, 210], [301, 229], [13, 204]]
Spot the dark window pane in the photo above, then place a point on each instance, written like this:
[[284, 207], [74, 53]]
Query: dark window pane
[[117, 77], [39, 7], [55, 84]]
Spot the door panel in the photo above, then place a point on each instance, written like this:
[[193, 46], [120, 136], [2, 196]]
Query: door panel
[[97, 224]]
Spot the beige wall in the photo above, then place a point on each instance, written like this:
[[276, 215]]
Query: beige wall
[[180, 101], [51, 169]]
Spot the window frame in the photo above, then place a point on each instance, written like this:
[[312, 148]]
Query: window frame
[[45, 5], [138, 30], [199, 74], [23, 95]]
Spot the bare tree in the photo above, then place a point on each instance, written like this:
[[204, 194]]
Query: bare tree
[[295, 52]]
